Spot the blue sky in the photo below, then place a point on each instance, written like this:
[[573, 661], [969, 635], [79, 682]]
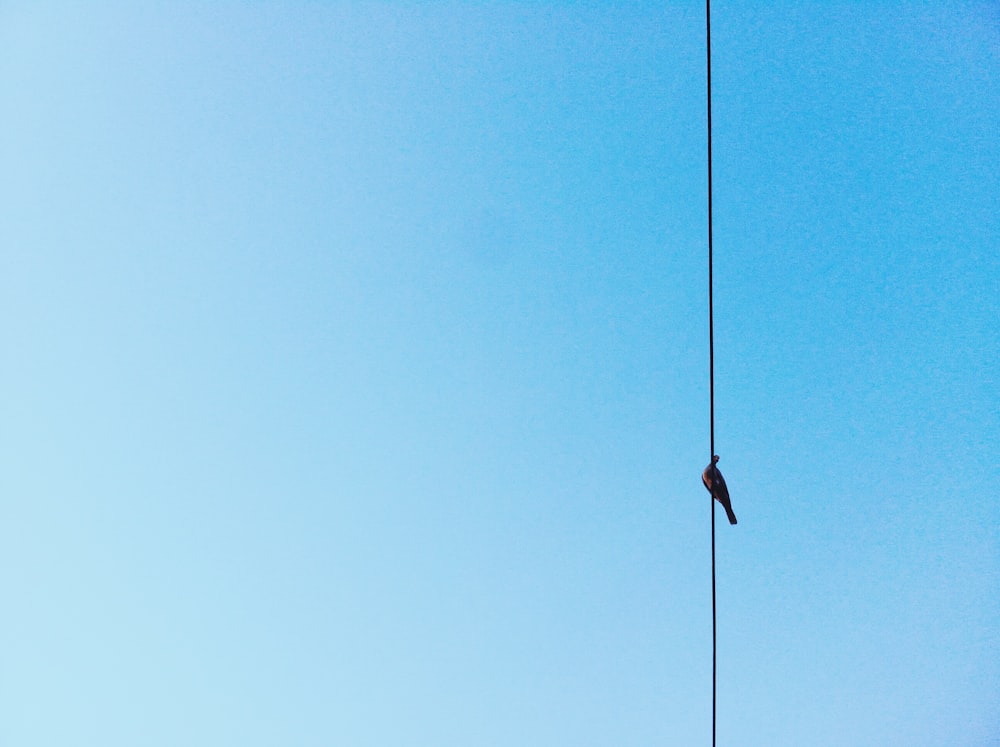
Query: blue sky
[[355, 373]]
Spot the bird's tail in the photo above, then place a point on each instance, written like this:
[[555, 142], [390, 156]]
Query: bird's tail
[[730, 514]]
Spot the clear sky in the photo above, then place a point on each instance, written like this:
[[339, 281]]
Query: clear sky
[[355, 374]]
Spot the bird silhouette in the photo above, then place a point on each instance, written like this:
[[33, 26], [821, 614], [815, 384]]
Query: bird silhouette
[[715, 484]]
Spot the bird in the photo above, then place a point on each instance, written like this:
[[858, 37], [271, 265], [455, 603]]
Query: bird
[[715, 484]]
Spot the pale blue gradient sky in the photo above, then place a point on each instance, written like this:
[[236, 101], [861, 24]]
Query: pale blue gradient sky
[[355, 390]]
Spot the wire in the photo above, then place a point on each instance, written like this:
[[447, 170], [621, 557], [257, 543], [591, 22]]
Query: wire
[[711, 334]]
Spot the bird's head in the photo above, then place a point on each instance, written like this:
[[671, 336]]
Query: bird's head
[[715, 458]]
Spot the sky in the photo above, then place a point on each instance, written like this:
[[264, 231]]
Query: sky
[[354, 383]]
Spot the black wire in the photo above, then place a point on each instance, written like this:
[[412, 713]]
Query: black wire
[[711, 335]]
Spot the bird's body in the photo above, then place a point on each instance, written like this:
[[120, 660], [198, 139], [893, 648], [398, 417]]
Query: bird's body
[[715, 484]]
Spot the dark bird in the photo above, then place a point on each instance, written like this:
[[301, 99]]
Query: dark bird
[[715, 484]]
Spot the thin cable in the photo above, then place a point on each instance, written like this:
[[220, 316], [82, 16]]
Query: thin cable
[[711, 334]]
